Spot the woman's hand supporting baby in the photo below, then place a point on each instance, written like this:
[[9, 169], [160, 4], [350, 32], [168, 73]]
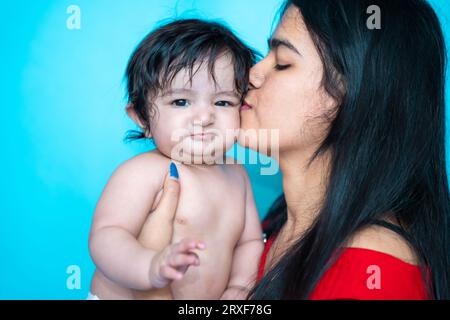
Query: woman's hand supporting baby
[[172, 260], [118, 236]]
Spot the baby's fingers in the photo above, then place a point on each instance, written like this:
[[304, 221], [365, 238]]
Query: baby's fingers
[[170, 273], [180, 260], [186, 245]]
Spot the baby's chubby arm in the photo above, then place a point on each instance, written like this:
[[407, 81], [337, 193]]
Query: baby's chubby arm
[[247, 254], [123, 206]]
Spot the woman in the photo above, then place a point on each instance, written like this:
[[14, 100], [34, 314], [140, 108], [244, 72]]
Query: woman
[[360, 113]]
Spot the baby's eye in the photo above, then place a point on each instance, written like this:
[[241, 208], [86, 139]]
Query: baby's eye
[[180, 103], [224, 104]]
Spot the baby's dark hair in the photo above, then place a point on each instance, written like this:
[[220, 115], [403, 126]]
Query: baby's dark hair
[[173, 47]]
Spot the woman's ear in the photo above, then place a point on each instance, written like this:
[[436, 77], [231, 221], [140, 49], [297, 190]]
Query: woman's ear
[[133, 115]]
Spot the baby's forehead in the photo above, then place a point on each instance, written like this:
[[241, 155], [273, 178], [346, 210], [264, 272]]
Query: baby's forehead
[[220, 78]]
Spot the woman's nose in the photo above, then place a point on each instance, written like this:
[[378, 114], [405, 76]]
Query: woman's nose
[[256, 77]]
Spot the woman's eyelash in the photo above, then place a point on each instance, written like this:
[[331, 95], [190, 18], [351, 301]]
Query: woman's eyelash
[[282, 67]]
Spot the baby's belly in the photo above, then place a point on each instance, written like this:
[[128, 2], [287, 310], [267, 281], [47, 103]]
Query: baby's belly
[[211, 209], [209, 279], [105, 289]]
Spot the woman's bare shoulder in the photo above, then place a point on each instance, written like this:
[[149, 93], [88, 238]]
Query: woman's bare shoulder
[[384, 240]]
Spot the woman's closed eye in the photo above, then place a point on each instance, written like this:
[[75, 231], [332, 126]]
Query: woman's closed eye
[[180, 103], [280, 67]]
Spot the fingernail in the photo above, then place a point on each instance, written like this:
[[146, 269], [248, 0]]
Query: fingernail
[[173, 171]]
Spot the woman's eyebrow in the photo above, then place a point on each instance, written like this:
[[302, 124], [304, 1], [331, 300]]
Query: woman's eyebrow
[[274, 43]]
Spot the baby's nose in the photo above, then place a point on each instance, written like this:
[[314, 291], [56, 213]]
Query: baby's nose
[[205, 116]]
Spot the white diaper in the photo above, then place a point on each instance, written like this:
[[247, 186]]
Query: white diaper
[[92, 297]]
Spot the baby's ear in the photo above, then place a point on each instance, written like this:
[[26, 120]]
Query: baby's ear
[[133, 115]]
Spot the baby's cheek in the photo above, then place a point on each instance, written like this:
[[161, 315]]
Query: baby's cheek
[[230, 128], [165, 139], [231, 119], [162, 144]]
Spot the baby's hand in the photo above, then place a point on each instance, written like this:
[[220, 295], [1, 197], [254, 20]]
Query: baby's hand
[[172, 262], [235, 293]]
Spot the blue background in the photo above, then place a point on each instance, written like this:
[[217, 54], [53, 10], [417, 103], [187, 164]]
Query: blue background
[[63, 123]]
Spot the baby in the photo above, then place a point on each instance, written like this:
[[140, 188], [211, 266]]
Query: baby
[[186, 81]]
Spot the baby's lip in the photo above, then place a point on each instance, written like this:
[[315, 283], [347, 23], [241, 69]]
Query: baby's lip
[[202, 135]]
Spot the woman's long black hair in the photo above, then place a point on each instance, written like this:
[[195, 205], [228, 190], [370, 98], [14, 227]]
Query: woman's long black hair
[[386, 140]]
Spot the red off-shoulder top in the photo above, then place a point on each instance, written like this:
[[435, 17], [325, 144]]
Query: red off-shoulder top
[[365, 274]]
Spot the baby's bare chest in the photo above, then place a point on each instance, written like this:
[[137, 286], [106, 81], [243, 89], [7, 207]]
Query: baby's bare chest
[[211, 205]]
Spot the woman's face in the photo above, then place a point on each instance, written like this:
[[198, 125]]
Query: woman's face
[[286, 92]]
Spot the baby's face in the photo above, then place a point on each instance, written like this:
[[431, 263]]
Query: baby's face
[[198, 121]]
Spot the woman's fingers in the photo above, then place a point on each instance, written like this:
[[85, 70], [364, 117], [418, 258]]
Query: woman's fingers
[[162, 213], [168, 204]]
